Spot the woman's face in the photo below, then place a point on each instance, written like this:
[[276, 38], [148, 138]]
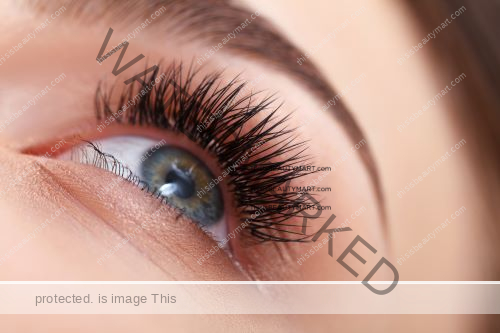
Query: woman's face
[[396, 163]]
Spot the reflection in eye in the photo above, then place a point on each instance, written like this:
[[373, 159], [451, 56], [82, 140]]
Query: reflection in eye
[[171, 173]]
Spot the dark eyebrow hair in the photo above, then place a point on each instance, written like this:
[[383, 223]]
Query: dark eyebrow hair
[[210, 21]]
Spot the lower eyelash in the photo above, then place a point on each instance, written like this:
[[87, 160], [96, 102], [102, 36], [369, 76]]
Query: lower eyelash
[[169, 106], [102, 160]]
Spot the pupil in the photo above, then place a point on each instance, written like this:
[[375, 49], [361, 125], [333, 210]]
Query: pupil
[[184, 186]]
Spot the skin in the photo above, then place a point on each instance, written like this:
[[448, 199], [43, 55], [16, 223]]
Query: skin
[[172, 244]]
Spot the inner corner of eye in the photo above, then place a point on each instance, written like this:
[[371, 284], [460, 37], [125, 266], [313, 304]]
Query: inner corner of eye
[[170, 172]]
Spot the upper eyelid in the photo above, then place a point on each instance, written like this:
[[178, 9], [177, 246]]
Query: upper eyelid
[[253, 41]]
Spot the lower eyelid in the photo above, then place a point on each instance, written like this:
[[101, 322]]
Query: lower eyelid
[[167, 249], [163, 223]]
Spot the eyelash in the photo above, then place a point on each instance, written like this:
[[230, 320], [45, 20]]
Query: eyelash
[[168, 106]]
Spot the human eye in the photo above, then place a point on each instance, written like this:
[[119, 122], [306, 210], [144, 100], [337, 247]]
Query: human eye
[[213, 151]]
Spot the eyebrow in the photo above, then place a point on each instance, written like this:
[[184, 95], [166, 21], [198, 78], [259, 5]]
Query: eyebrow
[[210, 21]]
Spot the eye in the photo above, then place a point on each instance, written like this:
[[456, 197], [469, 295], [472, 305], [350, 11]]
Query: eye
[[226, 153], [171, 173], [179, 177]]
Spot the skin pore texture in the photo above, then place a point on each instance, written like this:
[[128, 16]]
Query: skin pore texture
[[386, 94]]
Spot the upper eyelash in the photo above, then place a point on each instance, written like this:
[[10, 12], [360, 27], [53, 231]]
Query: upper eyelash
[[169, 106]]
